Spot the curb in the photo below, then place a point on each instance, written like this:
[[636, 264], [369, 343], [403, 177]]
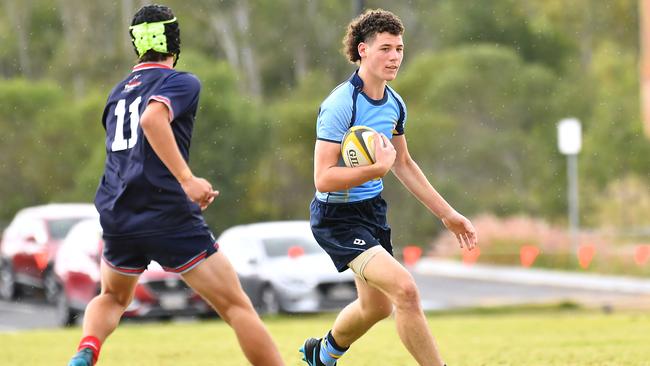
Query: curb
[[533, 276]]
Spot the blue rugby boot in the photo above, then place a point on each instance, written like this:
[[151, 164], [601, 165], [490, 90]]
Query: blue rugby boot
[[311, 352], [84, 357]]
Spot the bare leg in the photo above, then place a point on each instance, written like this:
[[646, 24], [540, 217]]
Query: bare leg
[[360, 315], [216, 281], [386, 274], [103, 313]]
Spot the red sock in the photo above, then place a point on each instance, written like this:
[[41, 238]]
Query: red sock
[[93, 343]]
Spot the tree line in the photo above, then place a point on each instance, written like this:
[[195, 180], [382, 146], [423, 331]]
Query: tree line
[[485, 84]]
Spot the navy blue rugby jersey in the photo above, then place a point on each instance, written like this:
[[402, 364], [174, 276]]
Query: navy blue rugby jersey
[[137, 194]]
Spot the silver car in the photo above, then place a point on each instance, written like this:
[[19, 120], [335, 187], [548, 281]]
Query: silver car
[[282, 268]]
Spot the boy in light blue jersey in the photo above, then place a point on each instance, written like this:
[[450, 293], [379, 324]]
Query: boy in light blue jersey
[[348, 106], [348, 215]]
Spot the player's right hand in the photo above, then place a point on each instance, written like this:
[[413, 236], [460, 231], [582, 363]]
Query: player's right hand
[[384, 153], [199, 191]]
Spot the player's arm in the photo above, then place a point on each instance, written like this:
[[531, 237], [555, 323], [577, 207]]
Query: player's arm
[[329, 177], [412, 177], [156, 126]]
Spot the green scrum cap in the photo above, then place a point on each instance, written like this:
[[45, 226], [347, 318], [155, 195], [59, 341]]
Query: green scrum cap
[[150, 36]]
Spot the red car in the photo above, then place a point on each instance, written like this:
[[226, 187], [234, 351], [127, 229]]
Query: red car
[[158, 294], [29, 245]]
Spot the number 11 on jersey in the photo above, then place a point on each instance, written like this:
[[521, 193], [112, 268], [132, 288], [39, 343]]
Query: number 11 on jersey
[[119, 142]]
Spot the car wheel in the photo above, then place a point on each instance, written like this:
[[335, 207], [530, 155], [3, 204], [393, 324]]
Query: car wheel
[[51, 286], [8, 286], [208, 315], [65, 315], [165, 318], [269, 302]]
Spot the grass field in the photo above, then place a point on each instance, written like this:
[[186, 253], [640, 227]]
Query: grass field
[[540, 337]]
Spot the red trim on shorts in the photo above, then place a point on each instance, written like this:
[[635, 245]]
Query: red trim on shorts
[[189, 264], [124, 270]]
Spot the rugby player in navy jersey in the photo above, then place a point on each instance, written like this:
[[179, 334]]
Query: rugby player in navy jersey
[[150, 202], [348, 215]]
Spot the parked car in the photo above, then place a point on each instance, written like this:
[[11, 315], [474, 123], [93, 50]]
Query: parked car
[[29, 245], [282, 268], [158, 294]]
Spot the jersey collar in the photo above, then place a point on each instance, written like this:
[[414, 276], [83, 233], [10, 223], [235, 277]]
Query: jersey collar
[[357, 82], [149, 65]]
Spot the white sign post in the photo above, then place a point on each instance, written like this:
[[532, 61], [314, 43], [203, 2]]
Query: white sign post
[[569, 139]]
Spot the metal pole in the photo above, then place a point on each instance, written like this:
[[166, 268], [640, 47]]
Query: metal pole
[[359, 5], [574, 217], [644, 63]]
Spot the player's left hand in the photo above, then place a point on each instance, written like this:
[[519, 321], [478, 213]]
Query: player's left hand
[[208, 199], [462, 228], [199, 190]]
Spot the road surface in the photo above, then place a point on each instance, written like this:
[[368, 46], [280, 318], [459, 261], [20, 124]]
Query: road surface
[[446, 285]]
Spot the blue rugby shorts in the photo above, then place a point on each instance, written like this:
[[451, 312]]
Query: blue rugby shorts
[[175, 252], [345, 230]]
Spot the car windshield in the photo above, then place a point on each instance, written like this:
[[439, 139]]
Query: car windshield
[[59, 228], [278, 247]]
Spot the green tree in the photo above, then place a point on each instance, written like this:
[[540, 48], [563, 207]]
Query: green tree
[[46, 143], [478, 117], [284, 184], [503, 22]]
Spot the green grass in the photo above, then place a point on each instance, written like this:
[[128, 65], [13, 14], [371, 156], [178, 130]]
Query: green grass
[[523, 337]]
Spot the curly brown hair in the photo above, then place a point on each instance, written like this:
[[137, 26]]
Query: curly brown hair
[[364, 27]]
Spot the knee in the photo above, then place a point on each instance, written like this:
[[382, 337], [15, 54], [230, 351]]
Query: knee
[[121, 299], [234, 305], [407, 296]]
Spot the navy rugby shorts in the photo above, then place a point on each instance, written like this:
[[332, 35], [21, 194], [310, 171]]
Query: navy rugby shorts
[[175, 252], [345, 230]]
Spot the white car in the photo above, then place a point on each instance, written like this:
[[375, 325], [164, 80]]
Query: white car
[[283, 269]]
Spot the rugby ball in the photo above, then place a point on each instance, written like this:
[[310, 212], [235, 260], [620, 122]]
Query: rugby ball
[[358, 146]]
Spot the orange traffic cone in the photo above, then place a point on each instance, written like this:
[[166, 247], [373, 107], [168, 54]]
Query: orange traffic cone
[[528, 254], [586, 253], [642, 254], [471, 256], [411, 255]]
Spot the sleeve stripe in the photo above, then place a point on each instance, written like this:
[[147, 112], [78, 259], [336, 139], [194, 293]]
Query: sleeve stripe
[[165, 101]]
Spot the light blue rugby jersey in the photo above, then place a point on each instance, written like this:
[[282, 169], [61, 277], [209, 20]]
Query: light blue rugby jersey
[[347, 106]]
